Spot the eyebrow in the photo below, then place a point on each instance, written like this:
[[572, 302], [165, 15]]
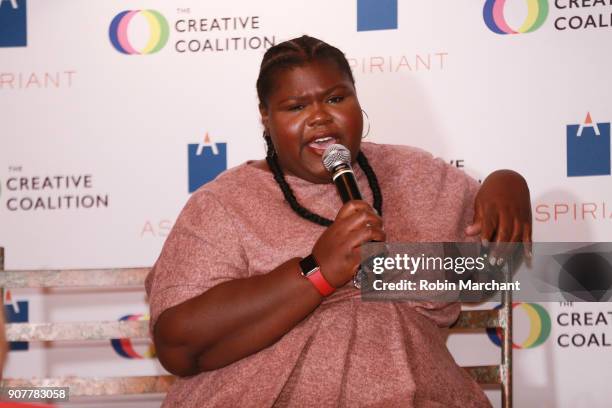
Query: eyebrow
[[325, 92]]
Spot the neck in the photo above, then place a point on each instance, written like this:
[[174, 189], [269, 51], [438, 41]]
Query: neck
[[279, 176]]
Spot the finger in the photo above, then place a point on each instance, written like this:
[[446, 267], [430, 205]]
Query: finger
[[504, 227], [517, 231], [489, 224], [502, 236], [478, 216], [507, 248], [357, 229], [473, 229], [361, 220], [370, 232], [353, 207], [372, 220], [527, 242], [489, 228], [509, 231], [362, 240], [378, 235], [363, 236]]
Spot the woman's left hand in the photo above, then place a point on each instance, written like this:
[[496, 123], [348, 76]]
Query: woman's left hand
[[502, 213]]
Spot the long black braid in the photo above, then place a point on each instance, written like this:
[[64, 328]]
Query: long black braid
[[296, 52], [279, 176]]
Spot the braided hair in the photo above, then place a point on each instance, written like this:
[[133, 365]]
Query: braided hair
[[288, 54]]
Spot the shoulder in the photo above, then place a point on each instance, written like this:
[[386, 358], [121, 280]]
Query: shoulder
[[239, 181], [393, 163], [376, 151], [230, 178], [216, 198], [402, 160], [398, 156]]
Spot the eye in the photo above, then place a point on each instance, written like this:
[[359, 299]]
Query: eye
[[295, 108], [335, 99]]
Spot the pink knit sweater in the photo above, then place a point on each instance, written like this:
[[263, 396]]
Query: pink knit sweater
[[347, 352]]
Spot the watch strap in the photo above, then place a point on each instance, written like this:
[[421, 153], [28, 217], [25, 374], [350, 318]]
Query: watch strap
[[311, 270]]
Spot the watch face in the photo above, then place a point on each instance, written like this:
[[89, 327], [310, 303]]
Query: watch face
[[308, 265]]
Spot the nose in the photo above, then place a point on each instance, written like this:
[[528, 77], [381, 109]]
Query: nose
[[319, 115]]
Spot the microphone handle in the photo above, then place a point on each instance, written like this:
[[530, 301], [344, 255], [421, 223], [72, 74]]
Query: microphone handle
[[345, 181], [344, 178]]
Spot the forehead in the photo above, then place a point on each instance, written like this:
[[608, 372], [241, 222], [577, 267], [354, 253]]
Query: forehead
[[307, 79]]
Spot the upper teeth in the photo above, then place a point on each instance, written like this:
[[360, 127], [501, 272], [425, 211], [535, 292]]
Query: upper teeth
[[323, 139]]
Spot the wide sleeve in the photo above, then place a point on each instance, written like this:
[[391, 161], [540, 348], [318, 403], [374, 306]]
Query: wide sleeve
[[450, 194], [202, 250], [457, 192], [442, 199]]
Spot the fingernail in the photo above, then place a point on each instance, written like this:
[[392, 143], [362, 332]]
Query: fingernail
[[500, 261], [485, 243], [492, 260]]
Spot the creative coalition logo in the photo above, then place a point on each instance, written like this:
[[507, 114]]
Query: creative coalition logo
[[494, 16], [376, 15], [584, 329], [125, 348], [191, 33], [588, 148], [539, 327], [13, 23], [206, 161], [570, 15], [575, 329], [24, 192], [16, 312], [157, 35]]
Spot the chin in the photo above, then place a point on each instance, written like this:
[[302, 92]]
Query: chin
[[320, 176], [354, 148]]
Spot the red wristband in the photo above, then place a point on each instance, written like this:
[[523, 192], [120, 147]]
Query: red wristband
[[312, 271]]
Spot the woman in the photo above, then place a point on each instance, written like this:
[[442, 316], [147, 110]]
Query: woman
[[233, 314]]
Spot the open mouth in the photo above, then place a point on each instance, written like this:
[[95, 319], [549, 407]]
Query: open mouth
[[322, 143]]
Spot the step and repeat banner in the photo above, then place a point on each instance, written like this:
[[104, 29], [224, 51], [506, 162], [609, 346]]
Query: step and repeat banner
[[112, 113]]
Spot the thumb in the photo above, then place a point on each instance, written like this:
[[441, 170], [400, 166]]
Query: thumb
[[473, 229]]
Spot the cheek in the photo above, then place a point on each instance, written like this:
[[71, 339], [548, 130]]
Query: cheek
[[352, 122], [294, 127], [286, 134], [288, 128]]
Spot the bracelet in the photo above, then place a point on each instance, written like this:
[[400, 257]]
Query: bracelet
[[312, 271]]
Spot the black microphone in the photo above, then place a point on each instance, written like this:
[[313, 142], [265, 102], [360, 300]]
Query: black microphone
[[337, 160]]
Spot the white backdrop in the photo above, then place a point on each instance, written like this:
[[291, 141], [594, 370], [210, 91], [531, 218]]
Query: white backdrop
[[111, 131]]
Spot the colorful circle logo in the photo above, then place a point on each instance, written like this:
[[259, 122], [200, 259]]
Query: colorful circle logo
[[493, 13], [125, 348], [539, 327], [158, 32]]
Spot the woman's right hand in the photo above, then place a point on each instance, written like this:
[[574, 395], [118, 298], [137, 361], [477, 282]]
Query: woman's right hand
[[337, 249]]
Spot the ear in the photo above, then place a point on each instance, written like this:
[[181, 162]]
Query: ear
[[263, 111]]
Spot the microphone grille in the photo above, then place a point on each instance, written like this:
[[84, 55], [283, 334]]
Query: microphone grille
[[335, 155]]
